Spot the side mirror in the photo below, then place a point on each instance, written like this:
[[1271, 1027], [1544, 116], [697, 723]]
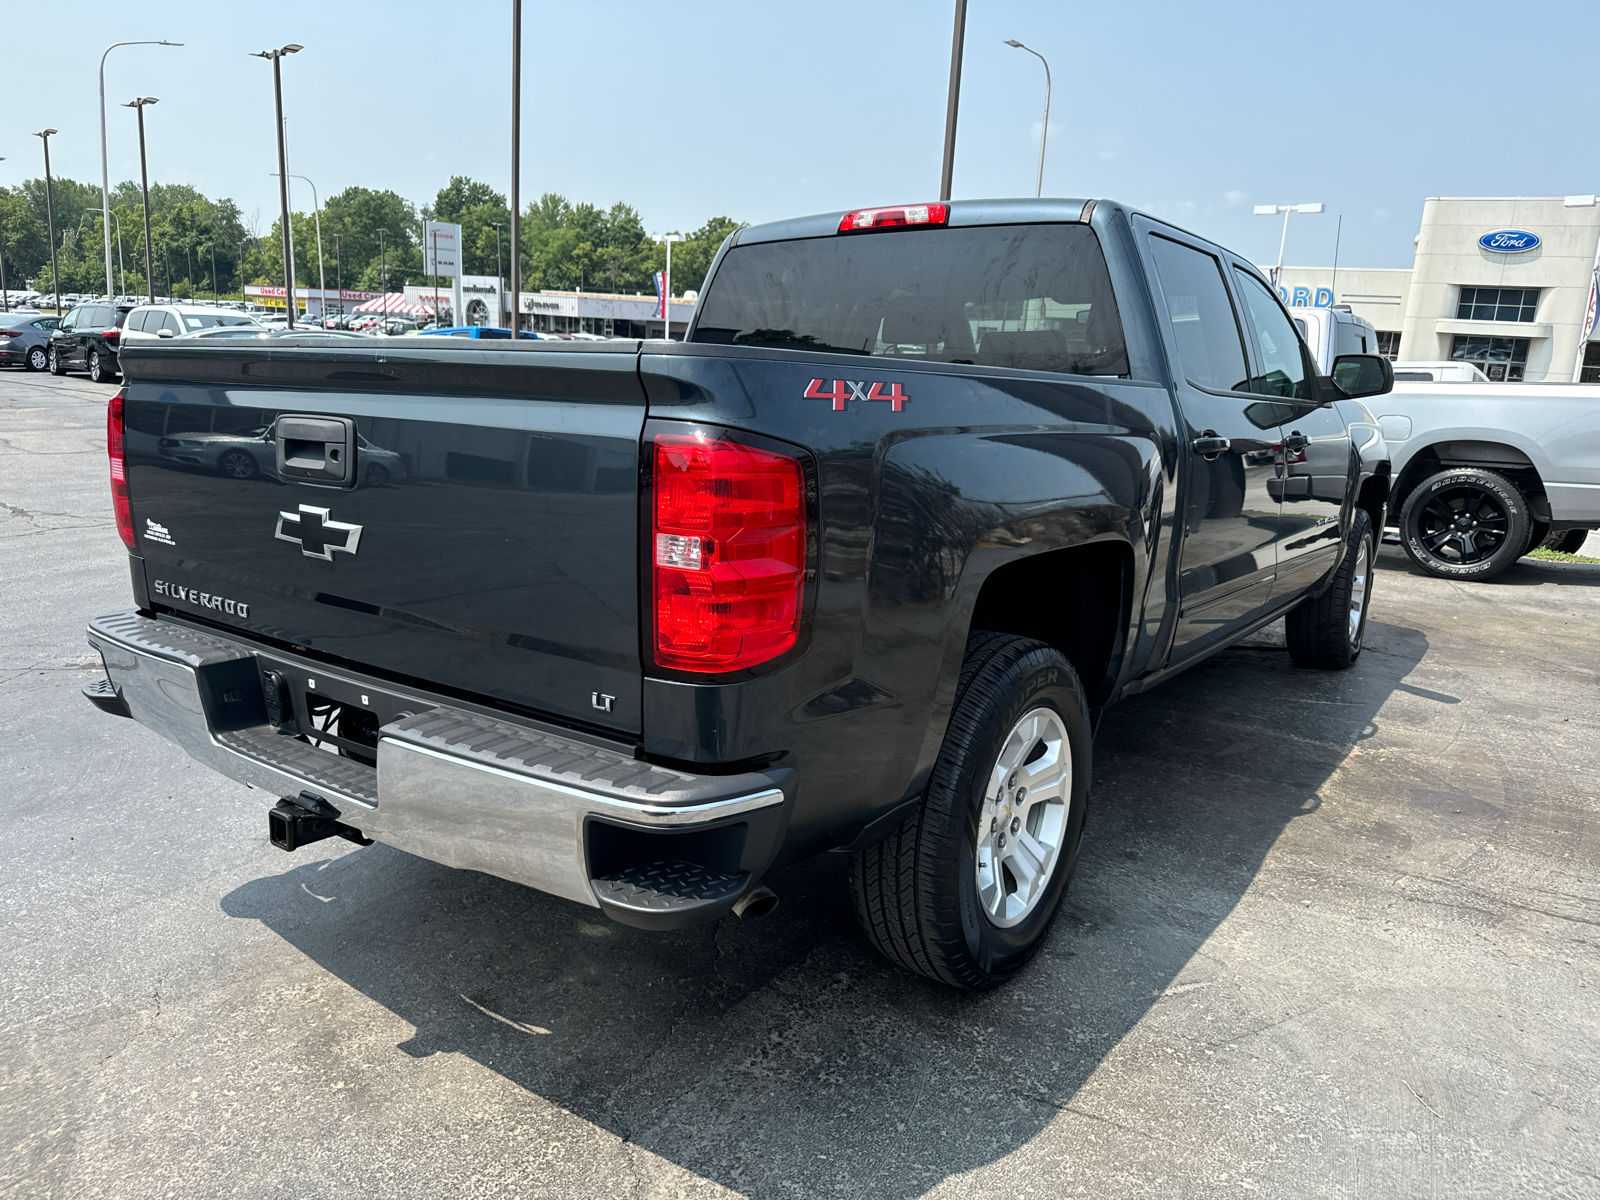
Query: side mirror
[[1358, 375], [166, 333]]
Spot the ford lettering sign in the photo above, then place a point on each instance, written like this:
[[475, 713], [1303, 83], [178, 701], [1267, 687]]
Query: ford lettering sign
[[1509, 241]]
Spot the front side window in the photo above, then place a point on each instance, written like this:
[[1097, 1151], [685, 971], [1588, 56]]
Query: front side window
[[1389, 344], [1283, 365], [1502, 359], [70, 321], [1497, 304], [1036, 297], [1210, 346]]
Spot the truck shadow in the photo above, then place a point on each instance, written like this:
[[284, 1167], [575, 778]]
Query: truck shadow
[[782, 1057]]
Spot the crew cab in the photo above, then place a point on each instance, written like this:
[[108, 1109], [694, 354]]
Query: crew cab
[[855, 567]]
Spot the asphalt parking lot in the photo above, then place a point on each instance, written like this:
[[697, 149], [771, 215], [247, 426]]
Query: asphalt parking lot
[[1331, 935]]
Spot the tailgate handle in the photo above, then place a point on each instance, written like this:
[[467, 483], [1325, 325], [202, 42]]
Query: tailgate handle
[[317, 449]]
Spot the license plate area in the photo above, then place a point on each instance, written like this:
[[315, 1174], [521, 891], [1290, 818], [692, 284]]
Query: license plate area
[[333, 712]]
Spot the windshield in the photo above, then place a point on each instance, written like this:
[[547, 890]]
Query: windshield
[[1036, 297], [212, 320]]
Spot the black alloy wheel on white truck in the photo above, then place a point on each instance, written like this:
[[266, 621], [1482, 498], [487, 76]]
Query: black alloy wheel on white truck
[[1465, 523], [965, 888]]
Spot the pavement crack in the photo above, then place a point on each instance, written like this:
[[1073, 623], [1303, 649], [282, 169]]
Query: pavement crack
[[1421, 1101]]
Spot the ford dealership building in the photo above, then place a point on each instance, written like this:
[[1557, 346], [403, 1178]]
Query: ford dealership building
[[1500, 283]]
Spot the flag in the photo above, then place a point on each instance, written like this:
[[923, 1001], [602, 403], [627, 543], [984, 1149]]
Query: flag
[[1588, 323], [660, 278]]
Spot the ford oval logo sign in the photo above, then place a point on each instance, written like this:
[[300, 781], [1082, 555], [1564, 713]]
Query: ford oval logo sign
[[1509, 241]]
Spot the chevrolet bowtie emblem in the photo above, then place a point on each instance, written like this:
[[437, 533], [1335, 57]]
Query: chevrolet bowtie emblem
[[316, 533]]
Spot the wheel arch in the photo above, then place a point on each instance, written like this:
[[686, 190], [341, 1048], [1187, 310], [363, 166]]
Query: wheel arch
[[1444, 453]]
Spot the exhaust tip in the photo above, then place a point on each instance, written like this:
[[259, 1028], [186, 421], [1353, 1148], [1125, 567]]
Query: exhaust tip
[[757, 902]]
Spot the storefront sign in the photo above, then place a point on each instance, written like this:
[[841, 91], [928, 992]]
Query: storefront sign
[[1509, 241]]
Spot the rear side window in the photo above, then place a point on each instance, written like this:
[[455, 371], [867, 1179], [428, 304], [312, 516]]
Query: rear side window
[[1210, 345], [1036, 297], [136, 320]]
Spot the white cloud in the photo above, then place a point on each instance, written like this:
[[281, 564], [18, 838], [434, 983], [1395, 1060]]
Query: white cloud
[[1235, 197]]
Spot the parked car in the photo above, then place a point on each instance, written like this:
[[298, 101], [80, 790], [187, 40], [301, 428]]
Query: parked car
[[153, 322], [25, 340], [467, 331], [857, 566], [88, 339], [1438, 372]]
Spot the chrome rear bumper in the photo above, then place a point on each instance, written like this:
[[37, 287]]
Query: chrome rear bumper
[[455, 785]]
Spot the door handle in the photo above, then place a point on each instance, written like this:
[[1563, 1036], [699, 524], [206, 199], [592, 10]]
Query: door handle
[[1209, 444], [1296, 441]]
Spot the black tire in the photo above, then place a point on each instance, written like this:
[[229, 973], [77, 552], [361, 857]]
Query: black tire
[[98, 371], [1568, 541], [916, 892], [57, 367], [238, 464], [36, 359], [1465, 523], [1327, 631]]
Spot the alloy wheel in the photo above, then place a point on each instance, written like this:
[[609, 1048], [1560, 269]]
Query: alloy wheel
[[1463, 524], [1023, 823], [1358, 592]]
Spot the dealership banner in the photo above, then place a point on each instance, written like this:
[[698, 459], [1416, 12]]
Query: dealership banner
[[660, 278]]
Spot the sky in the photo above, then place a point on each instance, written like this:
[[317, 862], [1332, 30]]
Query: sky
[[1191, 112]]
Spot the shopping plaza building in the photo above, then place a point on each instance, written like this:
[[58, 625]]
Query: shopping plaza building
[[1502, 283]]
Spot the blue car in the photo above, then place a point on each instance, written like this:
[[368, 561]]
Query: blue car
[[467, 331]]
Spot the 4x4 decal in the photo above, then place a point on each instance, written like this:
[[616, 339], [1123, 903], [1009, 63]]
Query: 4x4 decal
[[858, 389]]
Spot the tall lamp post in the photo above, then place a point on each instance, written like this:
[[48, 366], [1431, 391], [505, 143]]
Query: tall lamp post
[[516, 168], [1272, 210], [338, 266], [276, 58], [1044, 133], [105, 175], [666, 284], [5, 294], [144, 186], [50, 213], [499, 268], [383, 276], [322, 275], [952, 101]]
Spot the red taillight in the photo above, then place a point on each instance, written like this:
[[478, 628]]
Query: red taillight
[[728, 543], [113, 333], [119, 470], [899, 216]]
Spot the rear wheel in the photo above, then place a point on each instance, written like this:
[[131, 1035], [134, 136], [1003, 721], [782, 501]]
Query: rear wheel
[[1465, 523], [37, 359], [1327, 631], [98, 371], [1568, 541], [965, 889]]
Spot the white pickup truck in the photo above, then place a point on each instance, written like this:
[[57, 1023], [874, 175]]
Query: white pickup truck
[[1485, 472]]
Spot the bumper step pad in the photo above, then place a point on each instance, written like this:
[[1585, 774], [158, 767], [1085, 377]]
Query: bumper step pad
[[669, 885]]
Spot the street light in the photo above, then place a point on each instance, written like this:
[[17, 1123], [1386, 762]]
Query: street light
[[50, 213], [1044, 133], [5, 294], [952, 101], [276, 58], [1272, 210], [516, 168], [137, 105], [322, 277], [105, 176], [383, 275], [666, 284], [499, 274]]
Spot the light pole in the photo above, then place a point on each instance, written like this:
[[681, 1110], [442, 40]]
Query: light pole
[[666, 288], [383, 276], [144, 186], [1044, 133], [1272, 210], [322, 276], [105, 176], [499, 272], [338, 266], [122, 266], [5, 294], [213, 270], [50, 214], [952, 101], [276, 58], [516, 168]]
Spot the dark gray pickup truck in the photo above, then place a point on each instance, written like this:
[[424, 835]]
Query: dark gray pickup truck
[[855, 567]]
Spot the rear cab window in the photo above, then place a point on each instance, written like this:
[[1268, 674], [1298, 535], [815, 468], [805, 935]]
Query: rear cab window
[[1032, 297]]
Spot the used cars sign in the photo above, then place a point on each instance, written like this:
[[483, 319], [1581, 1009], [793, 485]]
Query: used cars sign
[[1509, 241]]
